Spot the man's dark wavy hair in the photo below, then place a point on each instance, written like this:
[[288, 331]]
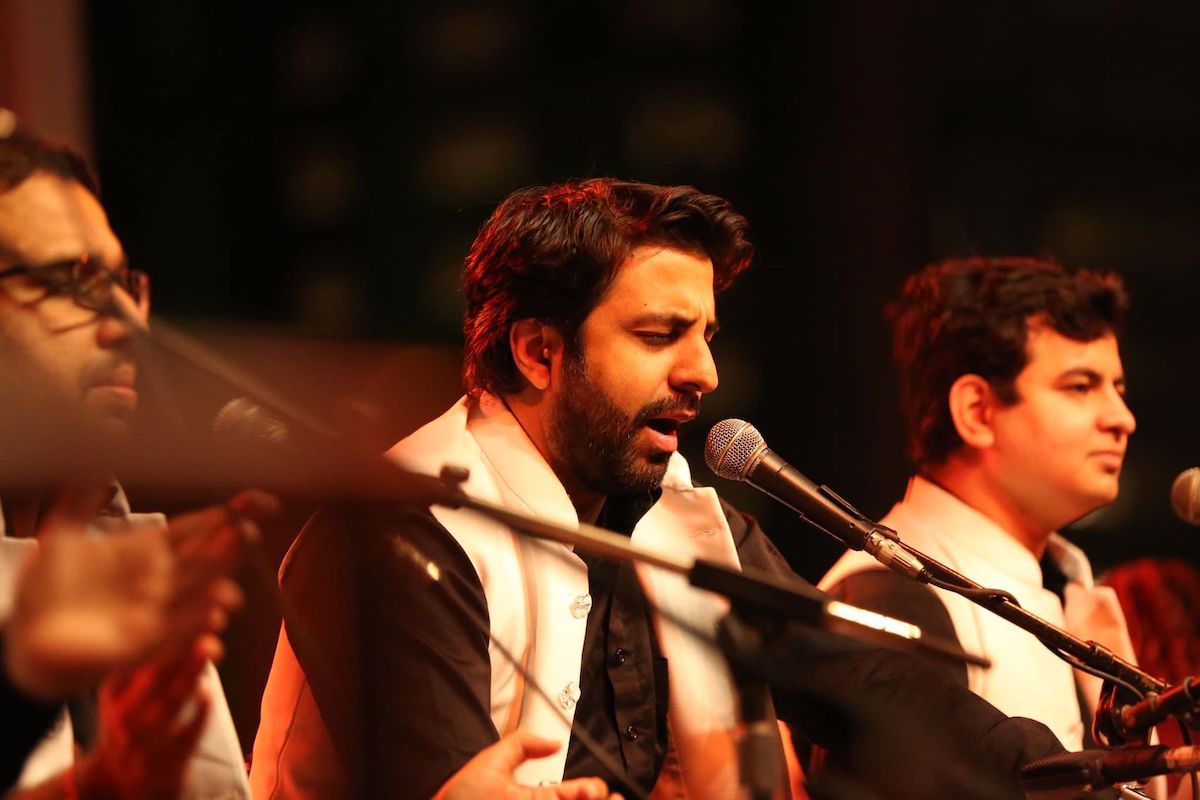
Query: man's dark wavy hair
[[550, 252], [971, 316], [22, 154]]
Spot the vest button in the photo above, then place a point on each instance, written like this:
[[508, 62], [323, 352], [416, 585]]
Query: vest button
[[569, 696], [581, 605], [631, 733]]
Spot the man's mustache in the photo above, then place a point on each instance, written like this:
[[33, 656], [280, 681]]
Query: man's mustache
[[665, 406], [115, 368]]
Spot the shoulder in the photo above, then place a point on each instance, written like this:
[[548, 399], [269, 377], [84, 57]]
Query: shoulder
[[755, 548], [349, 551], [896, 596]]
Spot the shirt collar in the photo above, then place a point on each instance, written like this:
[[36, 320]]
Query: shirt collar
[[116, 507], [517, 462], [971, 530]]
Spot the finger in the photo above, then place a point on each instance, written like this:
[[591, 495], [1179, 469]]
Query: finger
[[186, 529], [205, 555], [217, 621], [211, 646], [207, 645], [205, 549], [185, 623], [73, 509], [178, 739], [204, 609], [255, 504], [239, 514], [171, 687], [169, 672], [185, 735], [582, 789], [226, 594], [517, 747], [179, 675]]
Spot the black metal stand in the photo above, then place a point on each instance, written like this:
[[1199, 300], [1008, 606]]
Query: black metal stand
[[761, 766]]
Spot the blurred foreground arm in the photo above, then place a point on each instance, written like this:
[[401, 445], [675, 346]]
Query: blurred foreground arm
[[150, 721], [90, 605]]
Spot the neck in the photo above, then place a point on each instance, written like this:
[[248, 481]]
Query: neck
[[22, 509], [975, 488], [587, 505], [528, 412]]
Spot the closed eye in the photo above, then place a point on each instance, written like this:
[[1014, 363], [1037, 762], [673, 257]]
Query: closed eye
[[657, 337]]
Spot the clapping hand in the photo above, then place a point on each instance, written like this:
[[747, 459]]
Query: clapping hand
[[89, 605]]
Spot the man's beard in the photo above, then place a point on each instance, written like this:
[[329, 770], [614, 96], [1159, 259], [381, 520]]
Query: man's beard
[[596, 440]]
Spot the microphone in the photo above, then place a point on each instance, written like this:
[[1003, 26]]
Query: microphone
[[1090, 770], [243, 418], [735, 450], [379, 478], [256, 446], [1181, 699], [1185, 496]]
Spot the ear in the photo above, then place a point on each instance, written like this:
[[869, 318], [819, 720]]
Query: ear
[[535, 346], [972, 406]]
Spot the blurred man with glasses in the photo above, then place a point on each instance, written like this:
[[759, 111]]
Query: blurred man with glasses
[[141, 613]]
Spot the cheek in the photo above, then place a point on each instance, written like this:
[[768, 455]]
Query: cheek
[[58, 315], [45, 361], [1048, 432], [630, 375], [639, 384]]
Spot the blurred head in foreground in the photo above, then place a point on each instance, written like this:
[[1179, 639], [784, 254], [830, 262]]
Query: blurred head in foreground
[[68, 368]]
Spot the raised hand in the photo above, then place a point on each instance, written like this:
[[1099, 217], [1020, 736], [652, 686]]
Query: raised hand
[[88, 605], [149, 722]]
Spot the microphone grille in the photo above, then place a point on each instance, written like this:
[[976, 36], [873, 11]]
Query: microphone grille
[[729, 447], [244, 419], [1185, 496]]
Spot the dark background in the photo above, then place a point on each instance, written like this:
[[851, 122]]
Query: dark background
[[309, 175]]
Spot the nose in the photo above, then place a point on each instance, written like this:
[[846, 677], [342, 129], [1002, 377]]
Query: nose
[[695, 372], [113, 332], [116, 329], [1117, 417]]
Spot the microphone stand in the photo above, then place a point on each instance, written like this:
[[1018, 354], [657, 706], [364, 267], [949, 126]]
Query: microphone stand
[[751, 591], [1088, 653], [757, 595], [1114, 724], [760, 601], [762, 605], [369, 475], [1088, 656]]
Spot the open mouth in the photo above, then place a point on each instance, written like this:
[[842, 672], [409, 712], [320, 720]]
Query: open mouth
[[663, 425]]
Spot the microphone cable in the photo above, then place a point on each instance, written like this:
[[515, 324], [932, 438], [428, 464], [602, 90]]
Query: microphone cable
[[430, 572]]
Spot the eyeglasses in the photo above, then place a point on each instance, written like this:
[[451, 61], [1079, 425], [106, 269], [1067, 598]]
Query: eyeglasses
[[86, 281]]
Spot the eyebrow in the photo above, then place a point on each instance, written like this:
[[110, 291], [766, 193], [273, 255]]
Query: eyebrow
[[120, 263], [1089, 373], [674, 321]]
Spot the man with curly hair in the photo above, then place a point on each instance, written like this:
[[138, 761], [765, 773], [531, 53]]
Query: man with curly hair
[[1014, 396]]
